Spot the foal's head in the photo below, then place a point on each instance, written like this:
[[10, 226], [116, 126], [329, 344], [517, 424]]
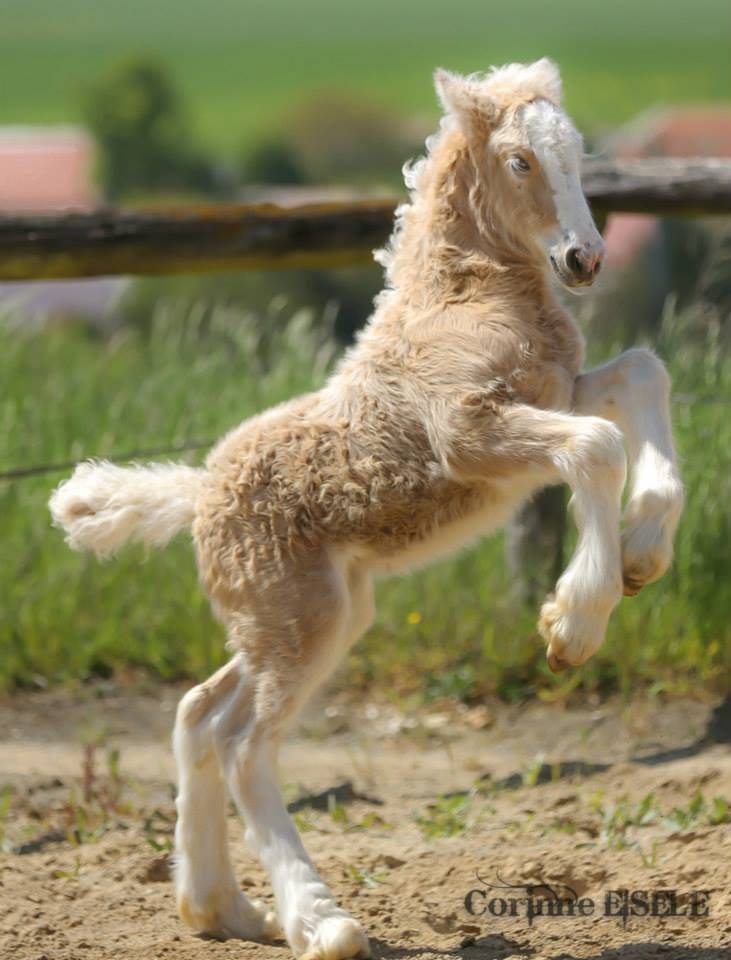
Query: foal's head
[[527, 153]]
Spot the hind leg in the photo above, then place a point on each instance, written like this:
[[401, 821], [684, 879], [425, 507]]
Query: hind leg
[[208, 896], [294, 641]]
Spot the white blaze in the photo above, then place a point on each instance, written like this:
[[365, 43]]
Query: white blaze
[[558, 148]]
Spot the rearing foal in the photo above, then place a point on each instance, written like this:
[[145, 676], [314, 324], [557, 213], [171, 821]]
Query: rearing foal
[[462, 397]]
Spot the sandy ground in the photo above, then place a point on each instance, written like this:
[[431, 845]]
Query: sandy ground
[[545, 808]]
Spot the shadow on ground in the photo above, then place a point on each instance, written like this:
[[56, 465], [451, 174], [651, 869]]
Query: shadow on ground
[[498, 947]]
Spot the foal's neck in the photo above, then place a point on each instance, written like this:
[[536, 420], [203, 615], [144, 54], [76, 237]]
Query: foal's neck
[[447, 246]]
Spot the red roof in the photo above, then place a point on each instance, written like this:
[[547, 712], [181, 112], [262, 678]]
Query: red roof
[[703, 131], [45, 169]]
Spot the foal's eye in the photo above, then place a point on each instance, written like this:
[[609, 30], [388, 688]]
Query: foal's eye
[[519, 164]]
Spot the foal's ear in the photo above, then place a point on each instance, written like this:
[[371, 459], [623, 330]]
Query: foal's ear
[[544, 76], [455, 92], [462, 98]]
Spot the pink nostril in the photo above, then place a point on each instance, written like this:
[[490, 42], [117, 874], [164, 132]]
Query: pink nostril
[[596, 262], [583, 262], [591, 262]]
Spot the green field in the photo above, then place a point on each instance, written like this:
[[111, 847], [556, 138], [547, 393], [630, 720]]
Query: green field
[[245, 65], [447, 631]]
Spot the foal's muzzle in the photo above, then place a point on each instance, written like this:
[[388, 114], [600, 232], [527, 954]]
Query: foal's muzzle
[[577, 265]]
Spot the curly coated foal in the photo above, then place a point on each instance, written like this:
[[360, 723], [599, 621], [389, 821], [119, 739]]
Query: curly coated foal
[[462, 397]]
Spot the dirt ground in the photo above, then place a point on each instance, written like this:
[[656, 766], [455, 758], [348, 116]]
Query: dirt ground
[[423, 809]]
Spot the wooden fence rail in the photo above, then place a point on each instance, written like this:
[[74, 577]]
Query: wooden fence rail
[[207, 238]]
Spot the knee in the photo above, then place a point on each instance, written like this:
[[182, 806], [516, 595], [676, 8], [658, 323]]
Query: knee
[[645, 369], [601, 449], [199, 704], [191, 740], [192, 708]]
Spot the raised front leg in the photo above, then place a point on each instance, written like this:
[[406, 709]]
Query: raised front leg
[[524, 448], [634, 392]]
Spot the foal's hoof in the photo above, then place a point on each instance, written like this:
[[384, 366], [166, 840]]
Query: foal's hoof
[[548, 625], [230, 916], [556, 664], [338, 938], [572, 634], [630, 587]]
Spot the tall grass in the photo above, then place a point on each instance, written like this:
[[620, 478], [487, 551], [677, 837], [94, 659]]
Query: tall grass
[[451, 630]]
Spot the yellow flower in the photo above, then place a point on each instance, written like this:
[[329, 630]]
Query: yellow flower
[[413, 618]]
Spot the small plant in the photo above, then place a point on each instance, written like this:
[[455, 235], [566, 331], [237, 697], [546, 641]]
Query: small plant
[[532, 771], [6, 799], [446, 817], [73, 874], [648, 859], [365, 877], [699, 813], [338, 813], [459, 684], [159, 835], [304, 821], [371, 820], [719, 812], [617, 818]]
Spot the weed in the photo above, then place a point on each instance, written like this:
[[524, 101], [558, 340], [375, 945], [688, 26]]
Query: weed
[[446, 817], [6, 800], [621, 820], [337, 811], [618, 817], [699, 813], [158, 829], [73, 874], [532, 771], [365, 877]]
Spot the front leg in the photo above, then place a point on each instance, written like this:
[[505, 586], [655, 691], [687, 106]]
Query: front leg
[[634, 392], [516, 446]]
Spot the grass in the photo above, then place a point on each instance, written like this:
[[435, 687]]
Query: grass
[[618, 825], [245, 65], [621, 822], [448, 631], [448, 816]]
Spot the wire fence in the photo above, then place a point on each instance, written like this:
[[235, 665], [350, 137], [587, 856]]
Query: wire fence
[[41, 469]]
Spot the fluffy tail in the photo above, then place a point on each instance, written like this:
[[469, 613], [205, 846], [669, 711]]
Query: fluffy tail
[[103, 506]]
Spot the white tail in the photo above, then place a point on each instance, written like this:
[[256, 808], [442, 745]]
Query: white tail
[[103, 506]]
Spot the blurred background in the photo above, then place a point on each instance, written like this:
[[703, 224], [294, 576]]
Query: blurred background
[[141, 104]]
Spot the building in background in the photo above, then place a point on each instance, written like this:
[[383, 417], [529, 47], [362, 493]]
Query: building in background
[[702, 131], [650, 259], [50, 170]]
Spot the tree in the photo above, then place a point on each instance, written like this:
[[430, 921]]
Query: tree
[[272, 161], [143, 136]]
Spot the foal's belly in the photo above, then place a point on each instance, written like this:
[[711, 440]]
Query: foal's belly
[[495, 509]]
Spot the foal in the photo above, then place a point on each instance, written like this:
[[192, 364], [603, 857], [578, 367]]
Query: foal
[[462, 397]]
